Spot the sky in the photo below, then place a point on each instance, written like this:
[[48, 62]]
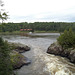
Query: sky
[[40, 10]]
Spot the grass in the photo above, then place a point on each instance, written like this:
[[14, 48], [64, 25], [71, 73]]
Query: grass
[[46, 31], [15, 57], [25, 32], [14, 32]]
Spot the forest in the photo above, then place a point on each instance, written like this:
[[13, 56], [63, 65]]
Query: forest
[[37, 26]]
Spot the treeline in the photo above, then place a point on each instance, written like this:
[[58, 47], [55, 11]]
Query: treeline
[[37, 26]]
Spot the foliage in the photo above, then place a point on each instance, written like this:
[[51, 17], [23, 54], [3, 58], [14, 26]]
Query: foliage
[[3, 14], [5, 63], [67, 39], [15, 57], [37, 26]]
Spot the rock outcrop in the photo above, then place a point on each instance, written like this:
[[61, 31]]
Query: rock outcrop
[[22, 49], [56, 49], [17, 59], [72, 56]]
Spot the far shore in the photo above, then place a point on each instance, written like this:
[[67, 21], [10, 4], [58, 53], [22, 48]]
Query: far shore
[[26, 32]]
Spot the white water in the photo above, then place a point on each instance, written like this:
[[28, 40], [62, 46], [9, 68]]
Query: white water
[[41, 62]]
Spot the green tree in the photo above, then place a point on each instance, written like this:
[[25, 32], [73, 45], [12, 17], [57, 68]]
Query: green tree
[[5, 63], [67, 39]]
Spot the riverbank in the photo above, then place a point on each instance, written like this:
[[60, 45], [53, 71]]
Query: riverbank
[[46, 32], [17, 59], [13, 33], [26, 32], [56, 49]]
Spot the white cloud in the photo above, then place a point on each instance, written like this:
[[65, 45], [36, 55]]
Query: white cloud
[[39, 10]]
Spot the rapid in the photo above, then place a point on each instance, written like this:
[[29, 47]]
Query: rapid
[[41, 62]]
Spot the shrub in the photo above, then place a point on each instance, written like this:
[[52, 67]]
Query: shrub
[[67, 39]]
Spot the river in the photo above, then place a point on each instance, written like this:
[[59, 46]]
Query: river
[[41, 62]]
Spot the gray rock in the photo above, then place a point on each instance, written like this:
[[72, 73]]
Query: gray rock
[[22, 49], [19, 60], [55, 48], [72, 56], [65, 53]]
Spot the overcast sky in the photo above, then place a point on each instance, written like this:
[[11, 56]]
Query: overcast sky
[[40, 10]]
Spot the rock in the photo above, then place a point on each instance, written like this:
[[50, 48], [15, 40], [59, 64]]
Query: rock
[[22, 49], [18, 60], [65, 53], [72, 56], [55, 48], [23, 61], [19, 47]]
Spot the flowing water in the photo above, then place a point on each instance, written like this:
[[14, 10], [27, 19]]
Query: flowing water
[[41, 62]]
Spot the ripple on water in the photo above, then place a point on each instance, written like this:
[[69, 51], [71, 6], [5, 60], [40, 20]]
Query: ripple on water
[[55, 66]]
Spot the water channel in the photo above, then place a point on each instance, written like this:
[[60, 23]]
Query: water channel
[[41, 62]]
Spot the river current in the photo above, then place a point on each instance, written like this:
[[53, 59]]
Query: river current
[[41, 62]]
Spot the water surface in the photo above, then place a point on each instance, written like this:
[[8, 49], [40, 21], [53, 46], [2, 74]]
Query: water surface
[[41, 62]]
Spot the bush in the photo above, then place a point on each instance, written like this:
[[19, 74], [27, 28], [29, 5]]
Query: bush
[[5, 63], [67, 39]]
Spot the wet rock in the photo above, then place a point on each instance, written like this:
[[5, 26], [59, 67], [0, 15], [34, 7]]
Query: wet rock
[[55, 48], [19, 47], [65, 53], [18, 60], [22, 49], [23, 61], [72, 56]]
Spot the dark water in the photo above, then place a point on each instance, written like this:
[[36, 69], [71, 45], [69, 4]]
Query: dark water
[[41, 62]]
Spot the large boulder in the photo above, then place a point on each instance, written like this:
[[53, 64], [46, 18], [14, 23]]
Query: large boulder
[[55, 48]]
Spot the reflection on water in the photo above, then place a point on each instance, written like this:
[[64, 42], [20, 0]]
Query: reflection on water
[[42, 63]]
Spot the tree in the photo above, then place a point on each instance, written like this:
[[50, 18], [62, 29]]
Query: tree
[[3, 14], [5, 63], [67, 39]]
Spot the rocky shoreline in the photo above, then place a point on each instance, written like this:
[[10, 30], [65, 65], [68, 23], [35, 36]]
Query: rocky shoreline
[[17, 59], [56, 49], [22, 49]]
